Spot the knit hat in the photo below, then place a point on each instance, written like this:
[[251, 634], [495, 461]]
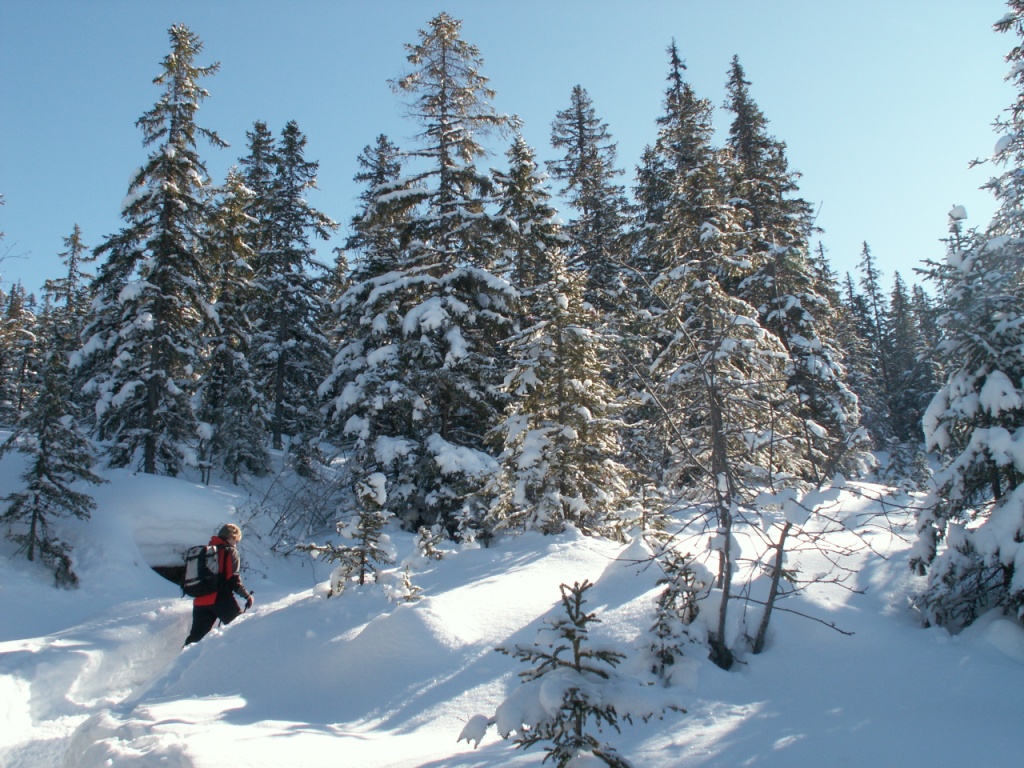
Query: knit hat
[[230, 530]]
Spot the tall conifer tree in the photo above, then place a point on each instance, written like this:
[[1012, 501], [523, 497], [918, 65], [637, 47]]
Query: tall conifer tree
[[69, 295], [439, 312], [232, 408], [587, 171], [781, 282], [20, 351], [151, 294], [290, 350], [913, 385], [561, 432]]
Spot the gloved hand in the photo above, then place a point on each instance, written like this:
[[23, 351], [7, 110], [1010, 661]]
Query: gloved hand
[[248, 602]]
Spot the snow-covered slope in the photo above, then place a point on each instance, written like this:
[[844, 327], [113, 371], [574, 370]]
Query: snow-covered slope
[[96, 677]]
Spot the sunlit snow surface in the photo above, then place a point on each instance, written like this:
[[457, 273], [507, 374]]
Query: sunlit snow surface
[[96, 677]]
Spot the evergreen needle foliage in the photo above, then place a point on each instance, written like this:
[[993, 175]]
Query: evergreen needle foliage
[[59, 456]]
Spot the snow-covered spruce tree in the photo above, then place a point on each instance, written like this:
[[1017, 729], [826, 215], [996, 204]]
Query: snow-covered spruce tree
[[761, 178], [433, 320], [530, 224], [69, 295], [59, 456], [385, 204], [587, 173], [20, 349], [912, 335], [727, 415], [570, 689], [856, 334], [926, 312], [870, 308], [561, 430], [152, 293], [647, 442], [971, 528], [258, 168], [781, 283], [366, 395], [913, 383], [674, 631], [367, 546], [231, 405], [290, 351]]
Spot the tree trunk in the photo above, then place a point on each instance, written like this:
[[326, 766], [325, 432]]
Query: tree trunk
[[773, 593], [722, 478]]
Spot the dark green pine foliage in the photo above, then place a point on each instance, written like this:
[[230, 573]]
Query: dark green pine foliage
[[68, 296], [20, 350], [782, 284], [870, 310], [531, 227], [290, 353], [432, 322], [151, 295], [232, 409], [587, 172], [384, 216], [913, 383], [561, 431], [58, 457], [860, 358]]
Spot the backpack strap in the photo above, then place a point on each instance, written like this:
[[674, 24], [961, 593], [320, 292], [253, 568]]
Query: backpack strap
[[227, 562]]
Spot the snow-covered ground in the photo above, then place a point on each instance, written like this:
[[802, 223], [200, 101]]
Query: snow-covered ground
[[96, 676]]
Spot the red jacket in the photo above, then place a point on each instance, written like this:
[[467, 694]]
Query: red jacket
[[231, 581]]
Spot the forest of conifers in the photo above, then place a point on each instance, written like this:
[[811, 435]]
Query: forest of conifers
[[529, 348]]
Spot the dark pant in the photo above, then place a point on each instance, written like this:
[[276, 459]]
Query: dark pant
[[205, 616]]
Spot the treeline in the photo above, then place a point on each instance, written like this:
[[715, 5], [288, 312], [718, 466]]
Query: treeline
[[480, 364]]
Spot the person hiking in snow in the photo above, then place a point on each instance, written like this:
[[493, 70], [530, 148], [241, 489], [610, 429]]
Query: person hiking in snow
[[206, 609]]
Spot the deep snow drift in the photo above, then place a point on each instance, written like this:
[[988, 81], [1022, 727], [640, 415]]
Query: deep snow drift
[[96, 676]]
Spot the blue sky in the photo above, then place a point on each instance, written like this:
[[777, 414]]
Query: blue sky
[[882, 104]]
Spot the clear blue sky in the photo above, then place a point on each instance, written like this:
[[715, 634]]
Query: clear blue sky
[[882, 103]]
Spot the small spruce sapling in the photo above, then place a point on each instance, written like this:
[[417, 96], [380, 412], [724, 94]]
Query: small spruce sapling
[[427, 541], [569, 688], [676, 610], [399, 587], [370, 547]]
